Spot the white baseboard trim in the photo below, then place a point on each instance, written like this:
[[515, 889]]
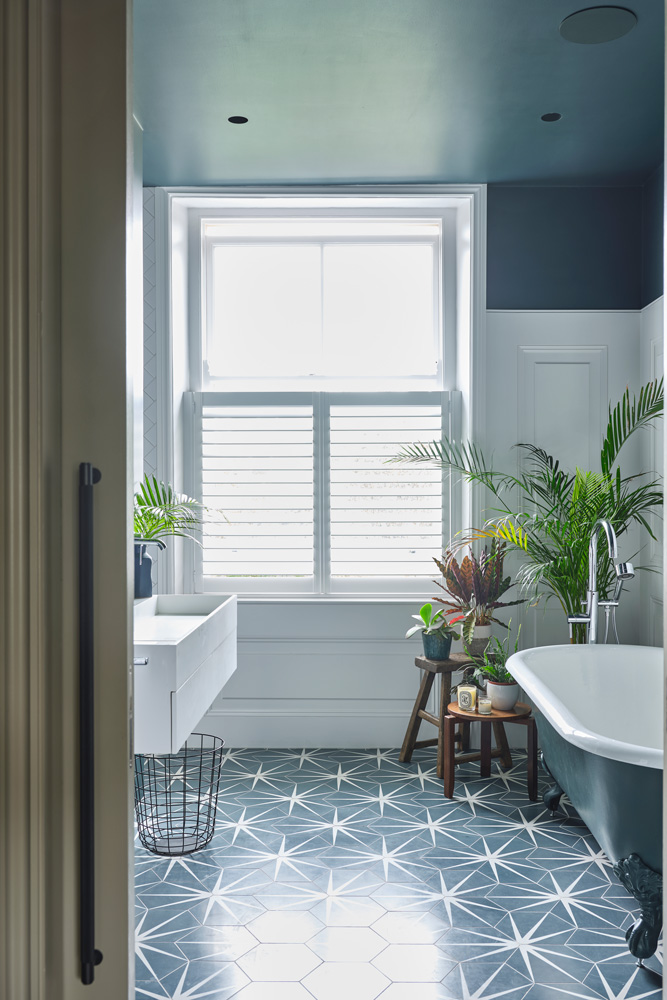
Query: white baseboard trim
[[282, 713], [291, 725]]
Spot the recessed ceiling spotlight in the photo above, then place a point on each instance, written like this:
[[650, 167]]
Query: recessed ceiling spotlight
[[551, 116], [237, 120], [595, 25]]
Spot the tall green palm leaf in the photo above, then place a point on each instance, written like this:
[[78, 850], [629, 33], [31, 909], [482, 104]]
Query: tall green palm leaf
[[546, 513], [161, 512]]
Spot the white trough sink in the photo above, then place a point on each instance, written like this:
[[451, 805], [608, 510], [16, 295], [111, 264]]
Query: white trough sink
[[189, 641]]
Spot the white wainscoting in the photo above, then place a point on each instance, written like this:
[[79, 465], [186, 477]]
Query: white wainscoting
[[328, 674], [550, 376], [652, 366]]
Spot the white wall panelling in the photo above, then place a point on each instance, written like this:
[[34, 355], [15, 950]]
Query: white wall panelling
[[550, 377], [332, 674], [652, 366], [561, 400]]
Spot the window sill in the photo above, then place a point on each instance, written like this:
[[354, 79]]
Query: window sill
[[326, 599]]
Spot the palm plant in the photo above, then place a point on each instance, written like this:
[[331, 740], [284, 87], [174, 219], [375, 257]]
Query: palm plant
[[161, 512], [546, 513]]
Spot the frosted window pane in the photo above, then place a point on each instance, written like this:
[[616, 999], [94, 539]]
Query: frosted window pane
[[266, 311], [378, 310]]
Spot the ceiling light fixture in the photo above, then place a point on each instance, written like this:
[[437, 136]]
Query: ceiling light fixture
[[595, 25], [551, 116], [237, 120]]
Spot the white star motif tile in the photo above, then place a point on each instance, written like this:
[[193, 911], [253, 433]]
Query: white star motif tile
[[346, 874]]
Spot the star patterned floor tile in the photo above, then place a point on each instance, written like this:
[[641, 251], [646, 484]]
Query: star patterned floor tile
[[347, 873]]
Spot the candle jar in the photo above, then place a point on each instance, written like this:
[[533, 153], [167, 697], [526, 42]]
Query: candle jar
[[484, 705], [466, 696]]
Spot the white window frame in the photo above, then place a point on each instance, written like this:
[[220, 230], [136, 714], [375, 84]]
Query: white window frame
[[177, 272], [321, 584]]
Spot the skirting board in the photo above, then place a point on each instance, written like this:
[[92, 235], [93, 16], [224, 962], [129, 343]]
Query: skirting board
[[292, 726]]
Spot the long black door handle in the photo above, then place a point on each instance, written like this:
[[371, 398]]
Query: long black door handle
[[90, 956]]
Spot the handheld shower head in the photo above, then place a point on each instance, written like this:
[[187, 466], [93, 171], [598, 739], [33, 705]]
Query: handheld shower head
[[624, 571]]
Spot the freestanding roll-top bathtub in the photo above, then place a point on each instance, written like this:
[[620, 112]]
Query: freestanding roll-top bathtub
[[599, 712]]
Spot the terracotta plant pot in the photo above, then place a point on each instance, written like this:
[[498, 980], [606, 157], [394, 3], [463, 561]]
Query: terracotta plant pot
[[503, 696]]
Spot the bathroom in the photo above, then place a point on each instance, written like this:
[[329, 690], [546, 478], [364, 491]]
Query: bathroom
[[527, 165]]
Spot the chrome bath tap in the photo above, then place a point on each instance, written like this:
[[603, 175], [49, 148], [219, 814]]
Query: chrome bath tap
[[624, 571]]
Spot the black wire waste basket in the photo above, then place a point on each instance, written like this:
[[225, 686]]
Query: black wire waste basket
[[176, 796]]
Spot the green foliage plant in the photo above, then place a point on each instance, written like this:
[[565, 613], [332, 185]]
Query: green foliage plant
[[496, 655], [474, 586], [432, 623], [546, 513], [160, 512]]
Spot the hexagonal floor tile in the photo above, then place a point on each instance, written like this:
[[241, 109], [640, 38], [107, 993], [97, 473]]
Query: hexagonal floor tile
[[356, 980], [274, 991], [288, 927], [413, 963], [220, 979], [410, 928], [278, 962], [227, 943], [409, 991], [347, 944], [348, 911]]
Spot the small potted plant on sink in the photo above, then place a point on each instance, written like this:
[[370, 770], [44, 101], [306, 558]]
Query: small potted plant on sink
[[501, 687], [160, 512], [473, 589], [437, 632]]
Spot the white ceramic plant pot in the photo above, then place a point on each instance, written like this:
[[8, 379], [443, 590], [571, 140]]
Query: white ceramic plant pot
[[503, 696], [480, 640]]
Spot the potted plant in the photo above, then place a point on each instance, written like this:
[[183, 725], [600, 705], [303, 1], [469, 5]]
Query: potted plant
[[437, 632], [546, 513], [474, 588], [501, 687], [160, 512]]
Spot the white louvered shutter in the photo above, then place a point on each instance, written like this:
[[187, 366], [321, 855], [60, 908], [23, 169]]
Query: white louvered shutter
[[310, 501], [258, 468], [386, 520]]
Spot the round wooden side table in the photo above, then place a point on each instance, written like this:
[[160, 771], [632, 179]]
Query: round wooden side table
[[520, 715]]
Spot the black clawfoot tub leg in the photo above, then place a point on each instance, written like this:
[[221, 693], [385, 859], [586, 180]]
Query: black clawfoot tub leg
[[552, 797], [646, 886]]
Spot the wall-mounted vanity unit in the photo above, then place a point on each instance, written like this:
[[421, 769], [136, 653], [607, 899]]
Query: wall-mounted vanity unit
[[185, 652]]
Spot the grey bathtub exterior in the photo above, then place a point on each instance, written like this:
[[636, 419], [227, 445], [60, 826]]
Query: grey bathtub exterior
[[621, 805]]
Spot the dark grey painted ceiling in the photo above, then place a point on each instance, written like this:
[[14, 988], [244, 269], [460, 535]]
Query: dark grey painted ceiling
[[393, 90]]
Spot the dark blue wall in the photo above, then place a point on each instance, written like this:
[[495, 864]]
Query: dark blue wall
[[569, 247], [652, 236]]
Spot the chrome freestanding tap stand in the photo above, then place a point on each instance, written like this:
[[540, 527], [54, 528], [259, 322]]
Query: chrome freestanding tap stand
[[624, 571]]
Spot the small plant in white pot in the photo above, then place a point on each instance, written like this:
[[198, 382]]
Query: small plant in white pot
[[501, 687], [437, 632]]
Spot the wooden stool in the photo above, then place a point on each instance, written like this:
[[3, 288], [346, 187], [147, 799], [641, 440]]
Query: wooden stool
[[431, 668], [520, 714]]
